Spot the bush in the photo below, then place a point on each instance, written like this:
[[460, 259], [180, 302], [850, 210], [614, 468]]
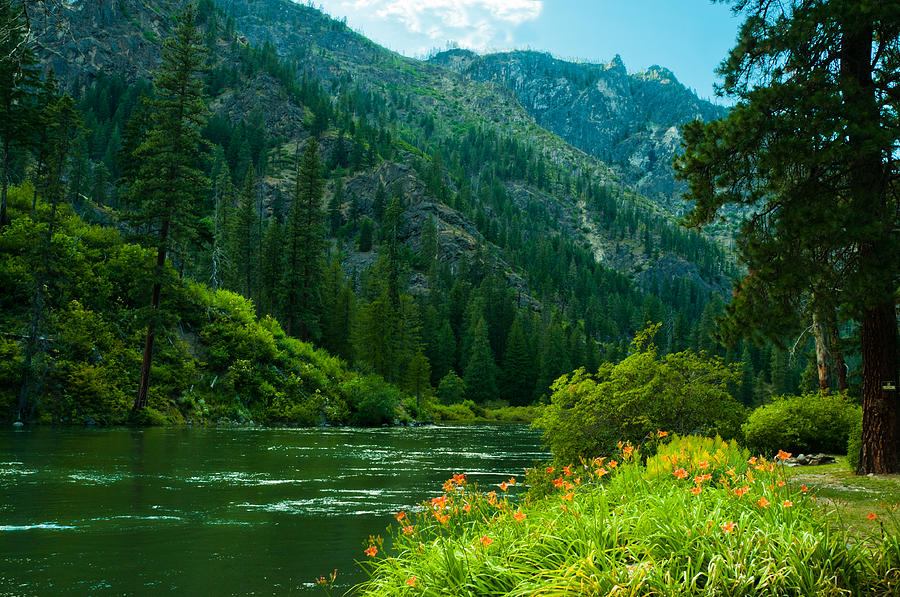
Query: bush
[[456, 413], [451, 388], [854, 442], [683, 393], [372, 400], [802, 424], [693, 527]]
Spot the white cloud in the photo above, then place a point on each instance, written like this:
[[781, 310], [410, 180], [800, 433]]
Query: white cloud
[[476, 24]]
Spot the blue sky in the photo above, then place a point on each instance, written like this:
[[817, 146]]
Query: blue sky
[[690, 37]]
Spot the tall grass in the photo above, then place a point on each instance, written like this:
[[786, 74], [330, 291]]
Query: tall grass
[[699, 518]]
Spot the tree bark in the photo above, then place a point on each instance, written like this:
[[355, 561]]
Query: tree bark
[[837, 352], [147, 361], [881, 434], [821, 354]]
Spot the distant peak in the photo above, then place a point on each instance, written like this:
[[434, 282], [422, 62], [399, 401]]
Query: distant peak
[[616, 64], [660, 74]]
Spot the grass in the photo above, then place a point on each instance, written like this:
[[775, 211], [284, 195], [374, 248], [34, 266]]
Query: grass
[[700, 518], [849, 499]]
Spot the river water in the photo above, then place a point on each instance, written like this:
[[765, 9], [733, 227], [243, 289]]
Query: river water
[[222, 511]]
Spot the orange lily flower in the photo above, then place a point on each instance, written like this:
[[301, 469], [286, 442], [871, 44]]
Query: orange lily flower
[[400, 516], [763, 502], [550, 469], [782, 455], [729, 527], [371, 551], [503, 486], [519, 516], [568, 497], [408, 530], [787, 503], [411, 581], [660, 433], [567, 471], [485, 540], [872, 516], [627, 450], [558, 482], [680, 473], [696, 490], [804, 488], [612, 464]]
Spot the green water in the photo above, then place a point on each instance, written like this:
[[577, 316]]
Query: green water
[[221, 511]]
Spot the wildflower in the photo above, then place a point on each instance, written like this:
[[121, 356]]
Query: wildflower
[[568, 497], [703, 465], [439, 502], [680, 473], [558, 482], [763, 502], [729, 527], [519, 516], [567, 471], [460, 479], [660, 433], [871, 516], [467, 507], [730, 472], [598, 461], [780, 483], [782, 455], [371, 551], [696, 490], [512, 481], [569, 486], [408, 530], [442, 518], [400, 516], [503, 486], [577, 480], [752, 460], [492, 497], [411, 581], [601, 472], [550, 469], [485, 540], [787, 503], [741, 491], [804, 489], [698, 479], [612, 464], [448, 485], [627, 450]]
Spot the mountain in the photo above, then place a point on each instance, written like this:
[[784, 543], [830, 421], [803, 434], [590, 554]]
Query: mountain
[[452, 217], [629, 121]]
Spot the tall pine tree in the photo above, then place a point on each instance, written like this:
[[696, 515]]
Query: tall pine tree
[[169, 184]]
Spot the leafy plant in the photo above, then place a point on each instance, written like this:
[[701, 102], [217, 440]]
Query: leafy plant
[[808, 423]]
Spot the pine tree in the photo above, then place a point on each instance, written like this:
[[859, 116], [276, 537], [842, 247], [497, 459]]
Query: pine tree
[[245, 226], [19, 82], [518, 368], [168, 184], [271, 266], [305, 247], [335, 215], [811, 144], [481, 370]]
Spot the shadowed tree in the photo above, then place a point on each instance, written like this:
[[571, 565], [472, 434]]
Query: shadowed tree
[[811, 145], [169, 185]]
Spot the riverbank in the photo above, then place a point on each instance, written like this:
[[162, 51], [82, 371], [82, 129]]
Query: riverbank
[[701, 517]]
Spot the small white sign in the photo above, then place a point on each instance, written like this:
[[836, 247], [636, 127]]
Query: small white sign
[[889, 386]]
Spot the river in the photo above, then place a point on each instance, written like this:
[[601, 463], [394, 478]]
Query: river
[[222, 511]]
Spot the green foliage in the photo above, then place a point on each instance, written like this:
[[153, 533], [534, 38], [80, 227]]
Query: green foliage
[[374, 401], [802, 424], [451, 389], [682, 393], [854, 443], [611, 526]]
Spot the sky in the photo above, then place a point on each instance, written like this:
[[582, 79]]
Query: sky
[[689, 37]]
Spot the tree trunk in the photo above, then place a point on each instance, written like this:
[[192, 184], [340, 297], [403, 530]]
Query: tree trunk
[[4, 182], [837, 353], [147, 360], [881, 435], [821, 354]]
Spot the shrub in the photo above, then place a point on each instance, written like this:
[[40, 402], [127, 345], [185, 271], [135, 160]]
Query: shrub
[[372, 400], [683, 392], [854, 443], [451, 388], [607, 528], [808, 423], [457, 413]]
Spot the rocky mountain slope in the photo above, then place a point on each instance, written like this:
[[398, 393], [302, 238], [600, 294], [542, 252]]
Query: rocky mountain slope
[[627, 120], [568, 119]]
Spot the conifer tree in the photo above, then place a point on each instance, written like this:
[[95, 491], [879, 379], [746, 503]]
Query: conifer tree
[[811, 142], [19, 82], [481, 370], [335, 215], [270, 270], [517, 377], [168, 184], [305, 246], [245, 226]]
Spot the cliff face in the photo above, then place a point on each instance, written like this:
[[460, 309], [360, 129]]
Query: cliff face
[[628, 120]]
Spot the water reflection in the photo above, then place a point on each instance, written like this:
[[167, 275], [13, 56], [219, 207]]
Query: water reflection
[[221, 511]]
